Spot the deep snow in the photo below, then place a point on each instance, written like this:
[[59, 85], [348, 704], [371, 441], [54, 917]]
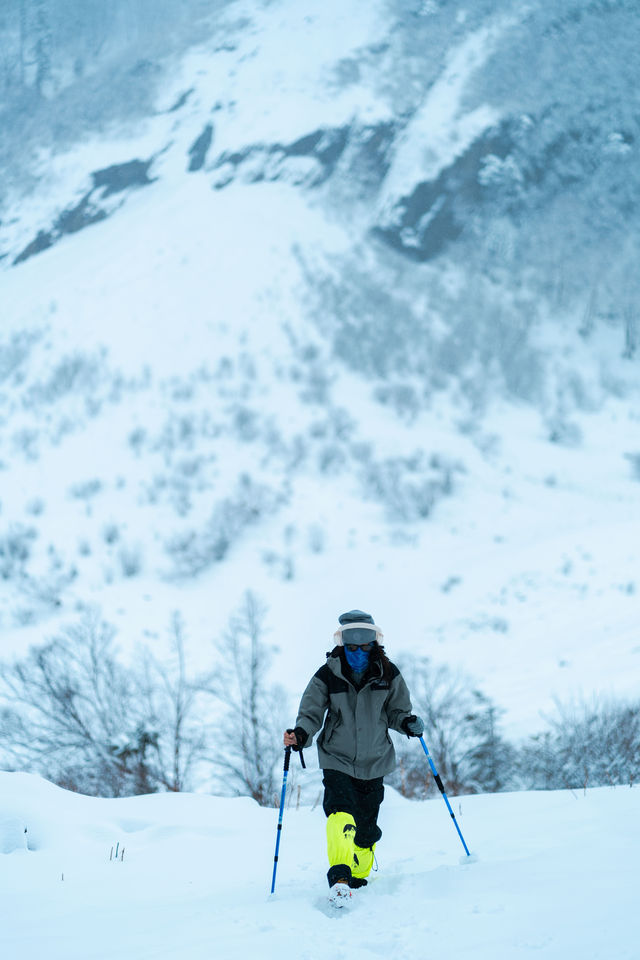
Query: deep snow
[[555, 879]]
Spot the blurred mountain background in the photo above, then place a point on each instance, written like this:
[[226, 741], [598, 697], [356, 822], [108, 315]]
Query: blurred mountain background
[[335, 304]]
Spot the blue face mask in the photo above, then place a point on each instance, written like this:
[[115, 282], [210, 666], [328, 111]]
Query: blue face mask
[[358, 660]]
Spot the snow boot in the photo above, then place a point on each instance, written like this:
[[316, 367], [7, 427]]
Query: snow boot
[[340, 894]]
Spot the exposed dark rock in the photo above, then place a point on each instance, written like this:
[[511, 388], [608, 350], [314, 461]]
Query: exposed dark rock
[[199, 149], [325, 146], [236, 158], [122, 176], [368, 155], [43, 241], [304, 146], [79, 217], [433, 214], [180, 102], [114, 179]]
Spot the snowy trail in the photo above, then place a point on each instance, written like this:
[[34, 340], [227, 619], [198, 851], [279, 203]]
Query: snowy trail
[[555, 879]]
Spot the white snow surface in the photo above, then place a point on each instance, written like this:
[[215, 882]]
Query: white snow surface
[[554, 879]]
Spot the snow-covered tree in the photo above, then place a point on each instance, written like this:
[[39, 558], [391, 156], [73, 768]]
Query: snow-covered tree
[[251, 709], [586, 744], [170, 700], [72, 712], [461, 731]]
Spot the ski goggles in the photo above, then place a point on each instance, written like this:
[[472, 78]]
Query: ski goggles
[[355, 635], [352, 647]]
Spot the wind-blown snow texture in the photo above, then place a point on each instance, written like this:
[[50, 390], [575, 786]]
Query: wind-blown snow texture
[[156, 359], [555, 879]]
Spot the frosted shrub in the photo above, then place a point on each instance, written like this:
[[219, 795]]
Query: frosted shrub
[[193, 551], [316, 536], [281, 565], [14, 353], [331, 458], [402, 398], [73, 713], [26, 442], [111, 533], [461, 730], [68, 703], [634, 460], [86, 489], [252, 712], [245, 423], [130, 559], [409, 487], [76, 373], [15, 550], [586, 744], [45, 591], [373, 330], [173, 704]]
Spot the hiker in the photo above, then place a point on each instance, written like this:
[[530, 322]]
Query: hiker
[[359, 694]]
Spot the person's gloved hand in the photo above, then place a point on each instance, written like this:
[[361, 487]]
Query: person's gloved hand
[[413, 726], [295, 738]]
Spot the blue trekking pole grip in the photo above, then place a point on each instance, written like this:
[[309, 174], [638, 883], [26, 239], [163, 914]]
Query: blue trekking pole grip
[[440, 786], [287, 757]]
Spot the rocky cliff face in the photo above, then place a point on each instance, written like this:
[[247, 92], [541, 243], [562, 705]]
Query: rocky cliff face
[[503, 137]]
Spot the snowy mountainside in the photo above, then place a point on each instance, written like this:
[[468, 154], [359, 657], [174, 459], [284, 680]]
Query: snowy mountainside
[[554, 878], [246, 345]]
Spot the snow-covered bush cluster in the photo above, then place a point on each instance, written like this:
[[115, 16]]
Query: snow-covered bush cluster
[[200, 461], [583, 744], [196, 550], [74, 712]]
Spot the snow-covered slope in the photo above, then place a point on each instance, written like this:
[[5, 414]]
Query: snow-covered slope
[[554, 878], [189, 408]]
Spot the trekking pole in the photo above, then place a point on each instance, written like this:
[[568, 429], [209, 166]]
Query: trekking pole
[[287, 757], [440, 786]]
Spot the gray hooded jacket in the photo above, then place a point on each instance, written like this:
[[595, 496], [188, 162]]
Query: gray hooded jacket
[[355, 737]]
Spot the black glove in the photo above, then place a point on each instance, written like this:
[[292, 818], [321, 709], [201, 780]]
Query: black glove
[[413, 726], [301, 737]]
